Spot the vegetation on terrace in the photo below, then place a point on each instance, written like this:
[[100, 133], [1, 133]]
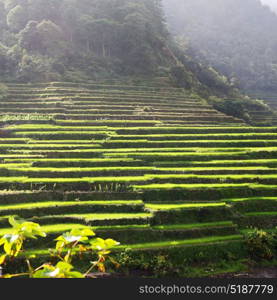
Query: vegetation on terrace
[[170, 176]]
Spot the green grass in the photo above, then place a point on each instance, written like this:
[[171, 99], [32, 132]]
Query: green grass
[[30, 160], [188, 176], [193, 153], [146, 178], [195, 130], [33, 156], [110, 216], [214, 163], [14, 140], [47, 146], [59, 228], [24, 179], [69, 142], [197, 135], [55, 127], [26, 167], [26, 117], [18, 165], [47, 133], [177, 243], [201, 186], [193, 226], [67, 203], [161, 244], [265, 214], [180, 206], [160, 155], [250, 199], [22, 167], [213, 169], [226, 142], [179, 151]]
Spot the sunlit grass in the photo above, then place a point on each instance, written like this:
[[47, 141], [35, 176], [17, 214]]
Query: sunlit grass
[[180, 206], [68, 203]]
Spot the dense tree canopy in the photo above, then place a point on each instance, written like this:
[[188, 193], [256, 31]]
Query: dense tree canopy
[[81, 39], [126, 36], [238, 38]]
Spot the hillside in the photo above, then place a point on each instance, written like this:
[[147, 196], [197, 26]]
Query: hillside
[[66, 34], [72, 40], [233, 36], [155, 168], [112, 120]]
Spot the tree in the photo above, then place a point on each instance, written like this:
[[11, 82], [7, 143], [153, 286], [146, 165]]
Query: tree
[[243, 47], [29, 38], [50, 36], [17, 18], [2, 16]]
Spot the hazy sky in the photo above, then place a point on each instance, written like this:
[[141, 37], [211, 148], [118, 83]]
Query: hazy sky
[[271, 3]]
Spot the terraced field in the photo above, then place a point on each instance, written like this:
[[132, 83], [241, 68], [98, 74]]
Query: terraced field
[[154, 168], [271, 100]]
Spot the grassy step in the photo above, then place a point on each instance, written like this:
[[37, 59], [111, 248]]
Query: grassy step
[[97, 219], [75, 172], [139, 233], [31, 196], [13, 141], [60, 228], [197, 186], [215, 136], [28, 210], [196, 130], [190, 192], [200, 143], [255, 204], [193, 214], [189, 156], [63, 134], [197, 254], [254, 214], [195, 168], [170, 206], [28, 170], [83, 163], [123, 184], [265, 220], [167, 150], [148, 157], [220, 163], [49, 146], [186, 181], [235, 200], [188, 242]]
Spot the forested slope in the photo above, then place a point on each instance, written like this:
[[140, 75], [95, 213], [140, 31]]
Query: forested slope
[[90, 35], [235, 37], [79, 40]]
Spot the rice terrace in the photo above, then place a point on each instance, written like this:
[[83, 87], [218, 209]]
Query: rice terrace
[[160, 171], [133, 143]]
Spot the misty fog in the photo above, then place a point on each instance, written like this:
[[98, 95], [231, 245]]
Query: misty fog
[[271, 3]]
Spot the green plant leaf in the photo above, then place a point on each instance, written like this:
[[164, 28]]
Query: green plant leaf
[[13, 222], [2, 259], [47, 271], [75, 275], [102, 245], [110, 243]]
